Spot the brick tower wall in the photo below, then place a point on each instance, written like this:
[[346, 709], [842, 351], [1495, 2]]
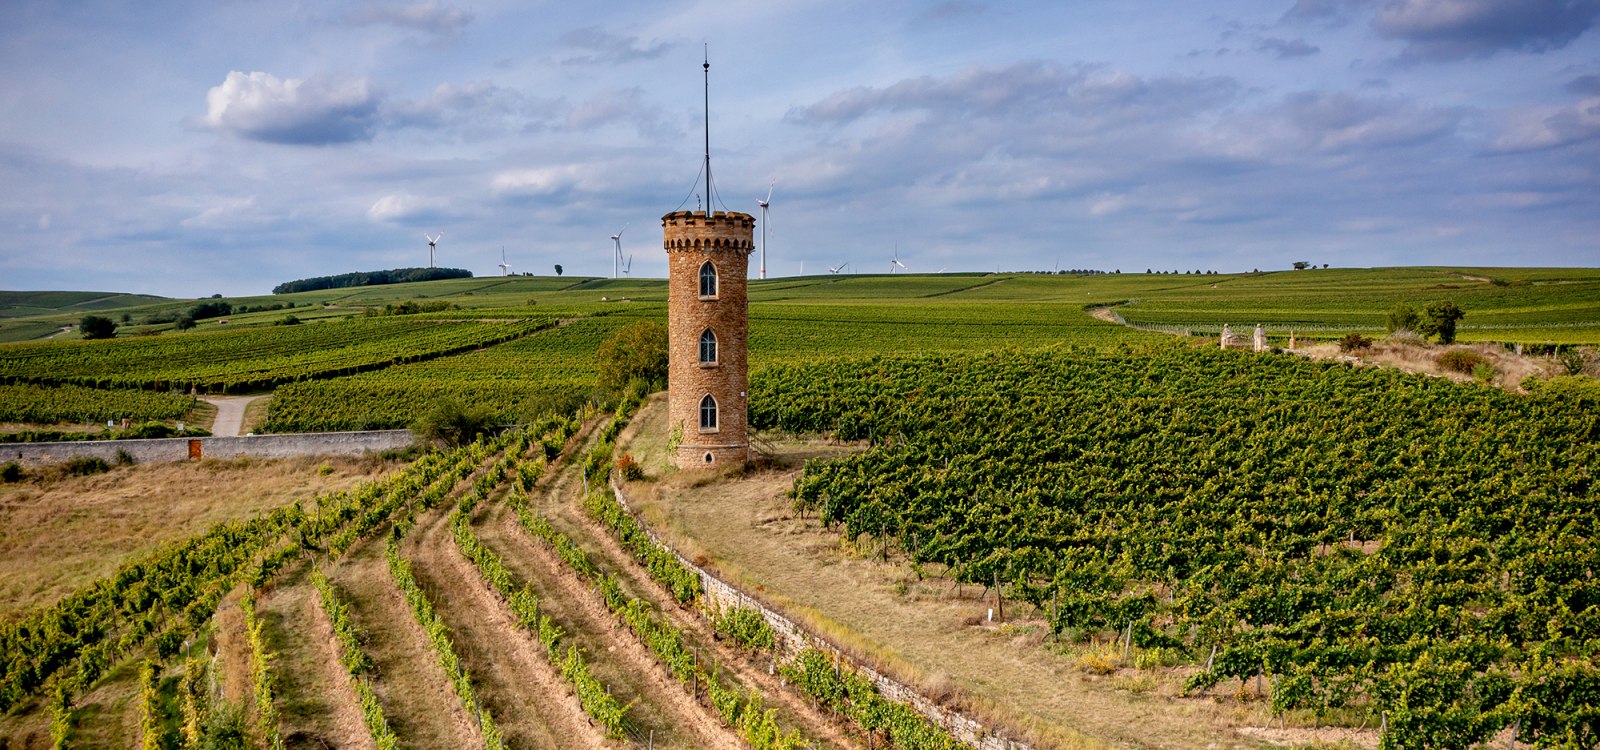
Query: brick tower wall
[[726, 239]]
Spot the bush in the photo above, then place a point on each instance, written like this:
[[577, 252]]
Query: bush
[[1401, 318], [86, 465], [1573, 361], [1461, 360], [628, 468], [1483, 372], [11, 471], [1353, 342], [637, 352], [451, 422], [97, 327], [1439, 319]]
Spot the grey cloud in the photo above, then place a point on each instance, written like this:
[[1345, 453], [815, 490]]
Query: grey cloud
[[1589, 84], [627, 106], [1286, 48], [600, 46], [1324, 11], [262, 107], [1551, 127], [427, 16], [477, 107], [1024, 90], [1459, 29], [1335, 121]]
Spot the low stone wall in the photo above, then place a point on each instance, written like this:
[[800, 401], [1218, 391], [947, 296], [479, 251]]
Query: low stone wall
[[794, 638], [183, 449]]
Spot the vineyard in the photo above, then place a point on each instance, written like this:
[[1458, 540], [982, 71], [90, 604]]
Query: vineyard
[[53, 404], [1412, 550], [473, 599], [249, 359]]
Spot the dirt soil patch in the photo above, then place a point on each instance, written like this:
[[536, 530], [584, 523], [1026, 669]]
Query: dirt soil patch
[[317, 705], [57, 536]]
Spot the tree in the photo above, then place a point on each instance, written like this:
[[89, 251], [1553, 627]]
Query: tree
[[1301, 265], [1439, 319], [558, 269], [637, 352], [451, 422], [97, 327], [1401, 318]]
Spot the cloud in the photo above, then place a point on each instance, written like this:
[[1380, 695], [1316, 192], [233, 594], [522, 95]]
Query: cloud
[[403, 206], [627, 106], [1286, 48], [1460, 29], [599, 46], [475, 106], [542, 181], [1335, 121], [262, 107], [1024, 90], [1589, 84], [428, 16], [1333, 12], [1550, 127]]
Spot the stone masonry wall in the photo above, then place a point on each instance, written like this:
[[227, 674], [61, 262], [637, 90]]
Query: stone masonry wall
[[794, 638], [726, 240], [177, 449]]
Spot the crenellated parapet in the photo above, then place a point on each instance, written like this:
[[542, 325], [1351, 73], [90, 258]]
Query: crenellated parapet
[[720, 231]]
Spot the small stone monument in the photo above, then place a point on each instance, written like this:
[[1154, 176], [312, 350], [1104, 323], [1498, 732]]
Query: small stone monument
[[1227, 335], [1261, 338]]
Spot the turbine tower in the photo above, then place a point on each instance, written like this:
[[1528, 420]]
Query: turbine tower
[[616, 258], [895, 261], [505, 268], [432, 241], [765, 204]]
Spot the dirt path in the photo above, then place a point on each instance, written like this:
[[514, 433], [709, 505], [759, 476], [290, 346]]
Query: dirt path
[[317, 705], [532, 705], [1104, 313], [417, 698], [230, 413], [750, 669]]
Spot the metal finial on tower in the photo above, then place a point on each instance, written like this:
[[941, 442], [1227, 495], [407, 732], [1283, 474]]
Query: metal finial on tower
[[707, 67]]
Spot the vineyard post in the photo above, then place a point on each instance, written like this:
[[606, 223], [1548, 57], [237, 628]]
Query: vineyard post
[[1127, 643], [999, 601]]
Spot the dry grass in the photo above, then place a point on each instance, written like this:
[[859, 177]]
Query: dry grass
[[254, 414], [58, 534], [1422, 358]]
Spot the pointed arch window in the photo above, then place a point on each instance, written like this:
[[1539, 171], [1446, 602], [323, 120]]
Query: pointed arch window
[[708, 414], [708, 279], [708, 347]]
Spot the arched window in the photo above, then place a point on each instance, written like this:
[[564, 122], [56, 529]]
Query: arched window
[[708, 280], [708, 347], [708, 413]]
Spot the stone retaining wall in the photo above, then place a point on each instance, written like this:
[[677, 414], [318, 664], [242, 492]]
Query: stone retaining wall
[[794, 638], [180, 449]]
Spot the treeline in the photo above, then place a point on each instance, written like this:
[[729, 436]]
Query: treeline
[[371, 278]]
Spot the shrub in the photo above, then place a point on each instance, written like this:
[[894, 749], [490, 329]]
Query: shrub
[[1401, 318], [1439, 319], [1461, 360], [11, 471], [628, 468], [451, 422], [636, 352], [1484, 372], [1573, 360], [1353, 342], [97, 327], [85, 465]]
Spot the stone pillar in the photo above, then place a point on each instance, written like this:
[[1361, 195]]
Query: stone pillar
[[1227, 336], [1260, 338]]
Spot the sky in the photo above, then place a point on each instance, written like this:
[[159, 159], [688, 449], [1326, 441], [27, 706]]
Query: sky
[[192, 148]]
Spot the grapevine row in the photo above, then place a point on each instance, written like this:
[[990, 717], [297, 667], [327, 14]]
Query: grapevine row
[[353, 655]]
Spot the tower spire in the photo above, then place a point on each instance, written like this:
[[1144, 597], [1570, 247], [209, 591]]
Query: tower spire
[[706, 66]]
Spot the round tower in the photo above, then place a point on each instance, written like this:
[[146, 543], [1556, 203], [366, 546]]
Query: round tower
[[708, 256]]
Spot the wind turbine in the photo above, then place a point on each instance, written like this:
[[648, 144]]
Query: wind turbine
[[895, 261], [765, 204], [616, 260], [432, 241], [840, 267], [627, 266], [505, 268]]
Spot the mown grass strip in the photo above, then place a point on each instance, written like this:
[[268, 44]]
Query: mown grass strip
[[353, 655]]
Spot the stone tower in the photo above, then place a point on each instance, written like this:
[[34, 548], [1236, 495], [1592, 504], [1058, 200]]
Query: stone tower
[[708, 256]]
